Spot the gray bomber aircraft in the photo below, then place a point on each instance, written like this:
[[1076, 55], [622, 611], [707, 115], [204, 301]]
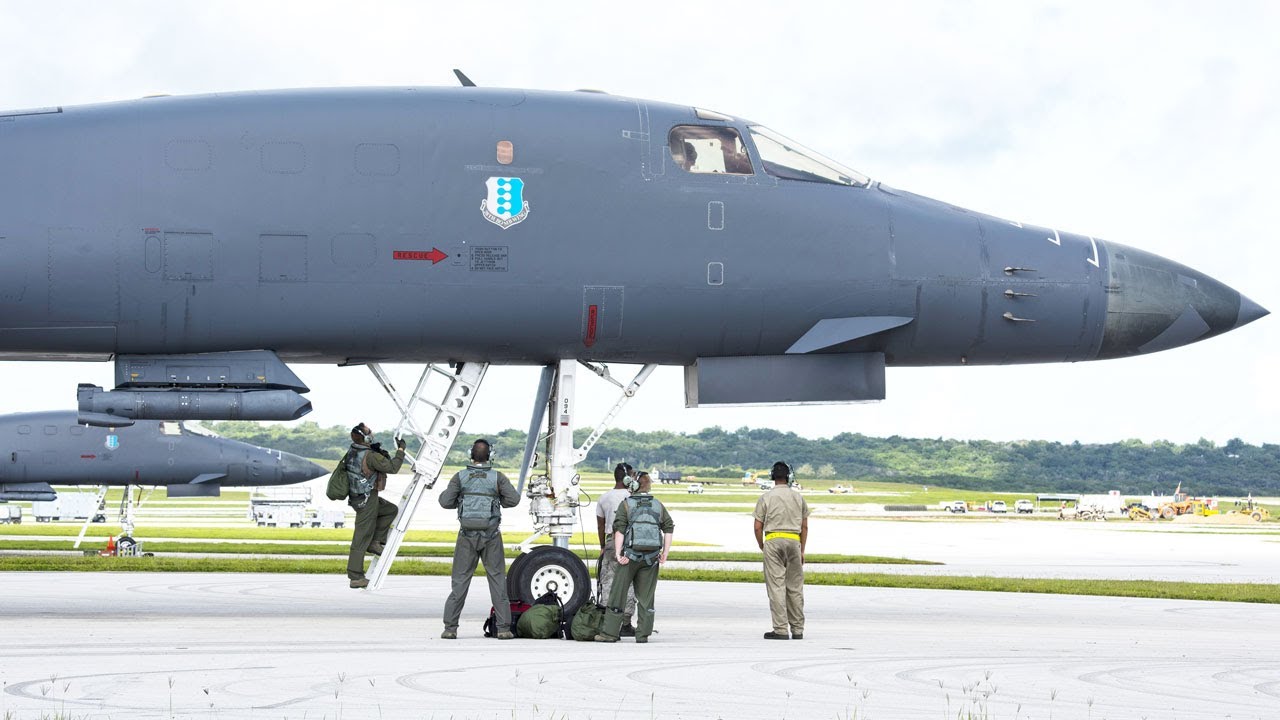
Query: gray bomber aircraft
[[53, 448], [203, 242]]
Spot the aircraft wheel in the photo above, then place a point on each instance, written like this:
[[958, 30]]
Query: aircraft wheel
[[513, 572], [550, 569], [126, 546]]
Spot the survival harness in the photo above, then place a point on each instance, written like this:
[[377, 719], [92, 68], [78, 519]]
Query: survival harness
[[480, 508], [360, 478]]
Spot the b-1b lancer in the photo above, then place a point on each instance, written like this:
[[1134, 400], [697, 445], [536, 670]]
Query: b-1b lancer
[[52, 448], [204, 241]]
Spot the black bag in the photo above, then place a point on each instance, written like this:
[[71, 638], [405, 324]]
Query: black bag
[[491, 623]]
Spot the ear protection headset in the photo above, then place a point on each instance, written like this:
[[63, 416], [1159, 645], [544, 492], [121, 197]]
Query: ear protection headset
[[359, 431], [633, 482], [622, 471], [488, 446]]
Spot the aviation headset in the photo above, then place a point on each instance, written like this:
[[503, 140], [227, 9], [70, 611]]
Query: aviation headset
[[358, 431], [488, 446], [633, 482], [622, 471], [781, 470]]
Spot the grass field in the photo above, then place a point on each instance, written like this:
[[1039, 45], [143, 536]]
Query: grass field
[[1253, 593], [249, 532], [434, 551]]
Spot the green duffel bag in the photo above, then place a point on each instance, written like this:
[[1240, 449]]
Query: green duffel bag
[[539, 622], [587, 622], [338, 487]]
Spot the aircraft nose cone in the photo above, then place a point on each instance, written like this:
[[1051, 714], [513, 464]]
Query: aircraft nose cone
[[1155, 304], [1249, 311], [295, 469]]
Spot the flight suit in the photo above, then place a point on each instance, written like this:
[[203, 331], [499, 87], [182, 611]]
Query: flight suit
[[782, 510], [475, 546], [639, 574], [373, 521], [607, 508]]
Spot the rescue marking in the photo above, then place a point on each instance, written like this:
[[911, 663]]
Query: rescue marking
[[435, 255], [88, 457], [1055, 239], [505, 205], [593, 313], [1093, 260]]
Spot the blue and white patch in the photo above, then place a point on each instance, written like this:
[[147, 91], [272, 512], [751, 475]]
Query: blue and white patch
[[505, 206], [113, 442]]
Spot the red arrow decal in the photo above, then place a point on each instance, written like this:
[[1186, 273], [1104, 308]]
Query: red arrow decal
[[435, 256]]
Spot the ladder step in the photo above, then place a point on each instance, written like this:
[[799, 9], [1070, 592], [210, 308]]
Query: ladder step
[[437, 441]]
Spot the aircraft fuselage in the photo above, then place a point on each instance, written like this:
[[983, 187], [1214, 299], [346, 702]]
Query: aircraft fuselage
[[340, 225]]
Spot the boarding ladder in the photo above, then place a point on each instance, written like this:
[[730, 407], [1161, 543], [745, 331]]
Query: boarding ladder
[[98, 503], [437, 440]]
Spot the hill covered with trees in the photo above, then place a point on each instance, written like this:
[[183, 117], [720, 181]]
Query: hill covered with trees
[[1130, 466]]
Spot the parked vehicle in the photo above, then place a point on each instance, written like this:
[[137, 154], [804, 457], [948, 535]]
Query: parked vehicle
[[1024, 507], [326, 518], [956, 506], [10, 514], [279, 516], [666, 477], [69, 506], [695, 488], [839, 489], [999, 507]]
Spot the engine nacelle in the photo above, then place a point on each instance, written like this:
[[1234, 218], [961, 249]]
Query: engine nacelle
[[246, 385]]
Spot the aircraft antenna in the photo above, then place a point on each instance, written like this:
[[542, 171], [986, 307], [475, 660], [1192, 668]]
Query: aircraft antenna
[[462, 78]]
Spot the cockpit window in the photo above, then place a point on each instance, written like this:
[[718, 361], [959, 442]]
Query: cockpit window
[[788, 159], [194, 427], [707, 149]]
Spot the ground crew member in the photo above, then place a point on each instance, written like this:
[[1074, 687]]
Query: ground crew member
[[368, 466], [479, 493], [782, 529], [642, 531], [606, 512]]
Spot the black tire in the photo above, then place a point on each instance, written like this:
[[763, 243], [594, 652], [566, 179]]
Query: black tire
[[513, 572], [126, 545], [550, 568]]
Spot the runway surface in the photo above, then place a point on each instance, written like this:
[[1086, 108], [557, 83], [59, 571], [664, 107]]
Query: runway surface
[[141, 645]]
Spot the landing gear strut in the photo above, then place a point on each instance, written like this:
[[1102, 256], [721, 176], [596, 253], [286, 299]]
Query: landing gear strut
[[553, 496]]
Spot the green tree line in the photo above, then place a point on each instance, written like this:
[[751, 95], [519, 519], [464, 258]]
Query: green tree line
[[1130, 466]]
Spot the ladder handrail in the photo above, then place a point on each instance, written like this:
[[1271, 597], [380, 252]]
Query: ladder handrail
[[449, 414]]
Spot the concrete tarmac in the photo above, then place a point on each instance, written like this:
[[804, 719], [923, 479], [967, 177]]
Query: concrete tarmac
[[143, 645]]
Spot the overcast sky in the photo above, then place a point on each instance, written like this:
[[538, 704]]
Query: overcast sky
[[1150, 124]]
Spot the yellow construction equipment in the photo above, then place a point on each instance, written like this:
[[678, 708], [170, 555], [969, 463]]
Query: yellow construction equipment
[[1253, 510], [1137, 512]]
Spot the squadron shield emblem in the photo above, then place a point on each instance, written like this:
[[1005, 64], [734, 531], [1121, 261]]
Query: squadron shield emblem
[[113, 442], [505, 205]]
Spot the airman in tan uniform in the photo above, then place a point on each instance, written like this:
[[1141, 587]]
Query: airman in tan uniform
[[782, 528]]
